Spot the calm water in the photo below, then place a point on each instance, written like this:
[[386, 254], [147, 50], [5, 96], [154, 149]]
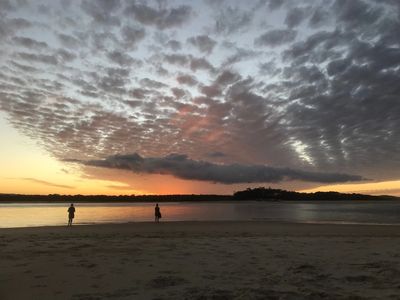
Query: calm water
[[44, 214]]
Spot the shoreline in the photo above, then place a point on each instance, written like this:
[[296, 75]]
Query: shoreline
[[256, 227]]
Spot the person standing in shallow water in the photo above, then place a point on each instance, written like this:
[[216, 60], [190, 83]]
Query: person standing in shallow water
[[71, 214], [157, 213]]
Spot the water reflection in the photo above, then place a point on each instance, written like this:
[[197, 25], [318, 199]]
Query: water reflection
[[45, 214]]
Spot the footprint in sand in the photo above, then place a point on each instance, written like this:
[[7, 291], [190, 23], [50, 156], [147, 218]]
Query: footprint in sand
[[359, 278], [162, 282], [220, 294], [304, 267]]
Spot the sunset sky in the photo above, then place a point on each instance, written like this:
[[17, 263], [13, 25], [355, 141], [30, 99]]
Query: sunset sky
[[162, 97]]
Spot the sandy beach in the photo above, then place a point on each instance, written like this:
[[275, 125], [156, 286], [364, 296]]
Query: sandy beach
[[201, 260]]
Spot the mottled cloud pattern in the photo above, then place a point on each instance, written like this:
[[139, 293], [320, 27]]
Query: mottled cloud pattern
[[294, 89]]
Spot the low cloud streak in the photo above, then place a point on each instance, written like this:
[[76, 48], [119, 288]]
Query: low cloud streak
[[183, 167], [47, 183]]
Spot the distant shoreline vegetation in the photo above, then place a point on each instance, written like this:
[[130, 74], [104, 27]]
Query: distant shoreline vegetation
[[257, 194]]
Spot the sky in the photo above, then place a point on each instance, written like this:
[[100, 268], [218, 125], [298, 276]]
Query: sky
[[211, 97]]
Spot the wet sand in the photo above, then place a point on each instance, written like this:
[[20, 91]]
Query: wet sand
[[201, 260]]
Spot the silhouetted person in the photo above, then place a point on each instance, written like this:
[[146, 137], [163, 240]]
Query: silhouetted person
[[71, 214], [157, 213]]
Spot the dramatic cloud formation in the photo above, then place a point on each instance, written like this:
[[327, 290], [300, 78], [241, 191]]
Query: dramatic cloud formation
[[185, 168], [301, 88]]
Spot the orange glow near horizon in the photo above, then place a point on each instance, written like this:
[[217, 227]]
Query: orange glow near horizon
[[375, 188]]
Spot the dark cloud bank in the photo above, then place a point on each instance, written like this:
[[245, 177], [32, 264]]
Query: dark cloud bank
[[183, 167]]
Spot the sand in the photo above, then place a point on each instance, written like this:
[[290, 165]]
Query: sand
[[201, 260]]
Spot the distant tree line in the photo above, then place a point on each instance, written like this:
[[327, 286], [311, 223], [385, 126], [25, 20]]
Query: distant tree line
[[107, 198], [261, 194]]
